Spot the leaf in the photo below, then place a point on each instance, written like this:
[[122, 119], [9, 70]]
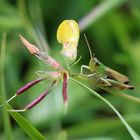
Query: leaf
[[6, 118], [26, 126]]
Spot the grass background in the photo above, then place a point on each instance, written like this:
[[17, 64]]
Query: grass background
[[113, 32]]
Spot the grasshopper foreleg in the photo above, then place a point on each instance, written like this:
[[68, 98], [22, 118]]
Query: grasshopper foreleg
[[84, 69]]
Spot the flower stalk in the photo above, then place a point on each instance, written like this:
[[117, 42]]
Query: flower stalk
[[64, 90]]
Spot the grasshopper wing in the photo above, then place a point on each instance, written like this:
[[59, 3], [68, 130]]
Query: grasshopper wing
[[116, 76]]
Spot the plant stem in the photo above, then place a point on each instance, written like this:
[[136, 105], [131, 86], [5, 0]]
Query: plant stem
[[6, 118], [98, 12], [35, 33], [121, 94]]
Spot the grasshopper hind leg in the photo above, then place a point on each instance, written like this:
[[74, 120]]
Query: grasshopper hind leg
[[118, 85], [103, 82], [98, 81]]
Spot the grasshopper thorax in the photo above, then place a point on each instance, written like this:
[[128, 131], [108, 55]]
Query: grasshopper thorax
[[93, 65]]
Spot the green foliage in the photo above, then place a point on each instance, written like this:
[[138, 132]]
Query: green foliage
[[131, 131], [26, 126], [114, 36]]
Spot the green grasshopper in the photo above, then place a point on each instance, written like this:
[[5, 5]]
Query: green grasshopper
[[100, 75]]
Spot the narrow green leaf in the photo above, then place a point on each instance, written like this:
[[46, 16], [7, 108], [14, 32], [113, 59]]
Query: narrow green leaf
[[122, 94], [27, 126], [6, 118], [99, 11], [134, 135]]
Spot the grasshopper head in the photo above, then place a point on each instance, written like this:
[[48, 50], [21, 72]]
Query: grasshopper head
[[93, 64]]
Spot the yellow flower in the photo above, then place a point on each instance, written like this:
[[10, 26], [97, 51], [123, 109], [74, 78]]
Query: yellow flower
[[68, 36]]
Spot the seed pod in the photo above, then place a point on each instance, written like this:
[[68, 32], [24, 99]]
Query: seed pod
[[68, 36]]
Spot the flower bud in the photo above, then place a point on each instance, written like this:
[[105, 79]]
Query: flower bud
[[68, 36]]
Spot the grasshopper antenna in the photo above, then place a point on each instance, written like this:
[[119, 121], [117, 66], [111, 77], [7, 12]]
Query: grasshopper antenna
[[88, 46]]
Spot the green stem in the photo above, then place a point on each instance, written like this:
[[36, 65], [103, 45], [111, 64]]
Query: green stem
[[134, 135], [121, 94], [98, 12], [27, 25], [24, 18], [6, 118]]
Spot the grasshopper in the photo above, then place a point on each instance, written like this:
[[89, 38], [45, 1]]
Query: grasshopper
[[98, 74]]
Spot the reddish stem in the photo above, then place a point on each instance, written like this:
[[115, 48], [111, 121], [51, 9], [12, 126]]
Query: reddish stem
[[64, 88]]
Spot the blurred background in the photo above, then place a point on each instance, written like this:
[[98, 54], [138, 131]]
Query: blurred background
[[113, 31]]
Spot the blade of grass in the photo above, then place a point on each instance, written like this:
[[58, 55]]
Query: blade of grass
[[26, 126], [133, 134], [123, 95], [88, 127], [98, 12], [37, 21], [26, 22], [24, 18], [6, 118]]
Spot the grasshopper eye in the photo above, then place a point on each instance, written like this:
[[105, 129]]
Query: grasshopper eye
[[97, 63]]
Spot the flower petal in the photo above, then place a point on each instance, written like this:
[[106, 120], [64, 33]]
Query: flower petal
[[29, 85]]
